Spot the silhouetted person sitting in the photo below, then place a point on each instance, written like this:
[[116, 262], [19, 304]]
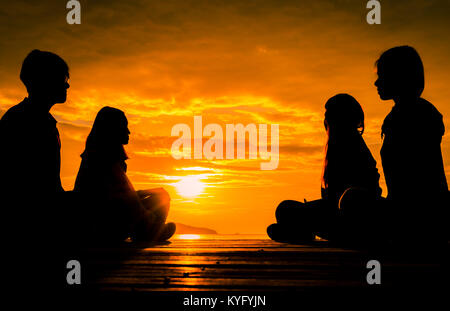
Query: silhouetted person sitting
[[411, 152], [113, 209], [348, 164], [30, 184]]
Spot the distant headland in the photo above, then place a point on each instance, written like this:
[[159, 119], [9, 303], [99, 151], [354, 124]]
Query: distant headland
[[185, 229]]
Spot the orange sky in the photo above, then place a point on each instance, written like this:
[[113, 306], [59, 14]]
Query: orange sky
[[273, 62]]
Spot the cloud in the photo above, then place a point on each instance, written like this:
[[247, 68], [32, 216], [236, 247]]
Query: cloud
[[272, 62]]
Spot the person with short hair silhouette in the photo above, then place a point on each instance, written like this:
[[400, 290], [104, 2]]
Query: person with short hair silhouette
[[29, 134], [115, 210], [411, 151], [30, 184], [348, 164]]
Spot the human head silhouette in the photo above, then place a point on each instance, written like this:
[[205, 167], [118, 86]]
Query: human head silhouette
[[343, 118], [110, 127], [343, 113], [45, 75], [400, 74], [108, 135]]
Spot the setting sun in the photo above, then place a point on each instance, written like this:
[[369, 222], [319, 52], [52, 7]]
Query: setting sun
[[174, 68], [190, 186], [189, 236]]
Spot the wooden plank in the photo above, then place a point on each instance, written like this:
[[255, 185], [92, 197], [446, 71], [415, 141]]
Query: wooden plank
[[237, 264]]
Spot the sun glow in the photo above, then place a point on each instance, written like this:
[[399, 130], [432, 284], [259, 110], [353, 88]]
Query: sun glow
[[189, 236], [190, 186]]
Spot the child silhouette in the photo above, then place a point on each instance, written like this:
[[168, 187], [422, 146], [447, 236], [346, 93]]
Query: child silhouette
[[348, 165], [116, 210]]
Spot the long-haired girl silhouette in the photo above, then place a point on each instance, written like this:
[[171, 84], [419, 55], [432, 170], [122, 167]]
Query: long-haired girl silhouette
[[116, 210]]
